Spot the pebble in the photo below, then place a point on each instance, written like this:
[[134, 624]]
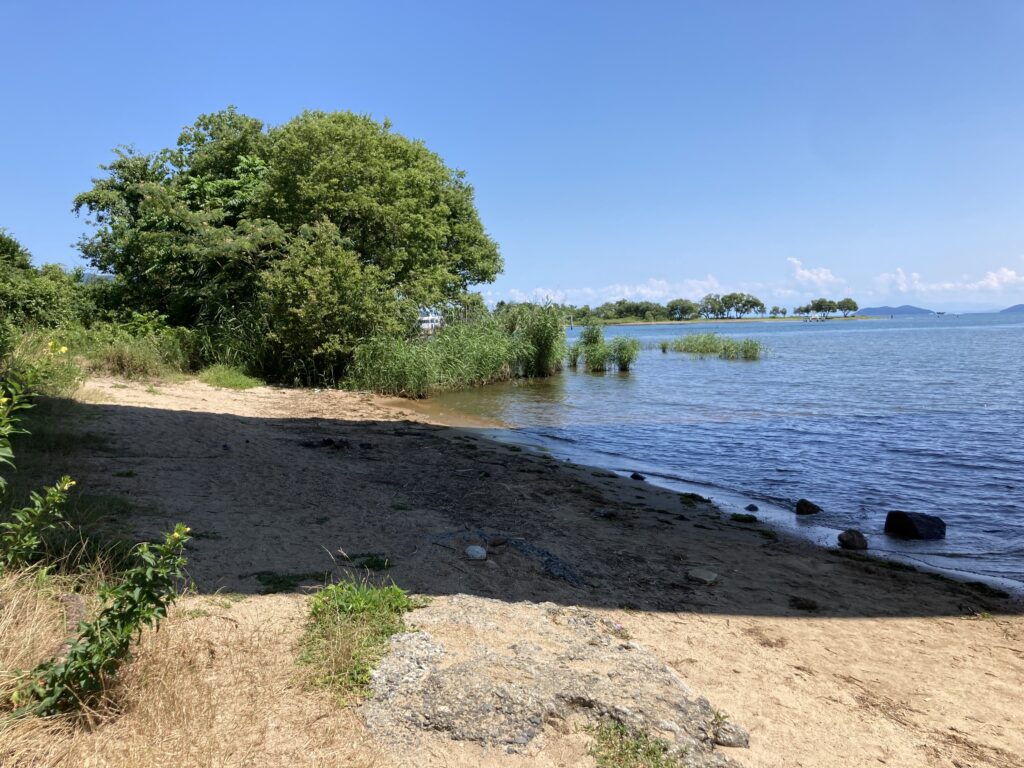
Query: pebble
[[476, 552]]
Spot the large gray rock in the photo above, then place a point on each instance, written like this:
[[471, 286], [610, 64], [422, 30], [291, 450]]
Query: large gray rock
[[494, 673], [914, 525]]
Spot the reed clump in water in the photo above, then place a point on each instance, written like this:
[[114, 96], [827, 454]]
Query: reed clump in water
[[711, 344], [599, 355]]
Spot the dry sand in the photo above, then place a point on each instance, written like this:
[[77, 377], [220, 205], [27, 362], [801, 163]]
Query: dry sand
[[892, 667]]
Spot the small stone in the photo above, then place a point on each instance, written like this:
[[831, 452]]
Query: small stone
[[805, 507], [751, 507], [476, 552], [637, 476], [731, 735], [852, 539], [702, 576]]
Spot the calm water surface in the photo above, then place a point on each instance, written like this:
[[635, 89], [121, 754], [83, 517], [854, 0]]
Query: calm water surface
[[922, 414]]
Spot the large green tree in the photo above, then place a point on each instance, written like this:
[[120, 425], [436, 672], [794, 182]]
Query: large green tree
[[206, 231]]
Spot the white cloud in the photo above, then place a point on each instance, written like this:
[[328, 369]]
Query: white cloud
[[819, 277], [650, 290], [996, 280]]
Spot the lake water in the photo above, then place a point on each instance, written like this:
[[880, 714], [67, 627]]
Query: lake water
[[920, 414]]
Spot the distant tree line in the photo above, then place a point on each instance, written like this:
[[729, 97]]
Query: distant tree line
[[712, 307]]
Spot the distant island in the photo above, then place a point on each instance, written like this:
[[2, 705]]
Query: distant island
[[906, 309], [1014, 308]]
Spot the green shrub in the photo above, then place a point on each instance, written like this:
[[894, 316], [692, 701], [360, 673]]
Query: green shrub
[[140, 599], [350, 625], [21, 537]]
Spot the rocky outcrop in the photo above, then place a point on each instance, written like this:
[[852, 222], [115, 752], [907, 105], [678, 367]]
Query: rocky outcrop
[[853, 539], [914, 525], [805, 507], [498, 674]]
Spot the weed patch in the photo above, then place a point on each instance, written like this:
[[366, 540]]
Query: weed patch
[[616, 746], [349, 628]]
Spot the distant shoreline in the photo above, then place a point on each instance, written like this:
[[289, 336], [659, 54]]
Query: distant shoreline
[[735, 320]]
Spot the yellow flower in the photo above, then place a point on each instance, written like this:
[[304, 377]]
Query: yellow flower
[[63, 350]]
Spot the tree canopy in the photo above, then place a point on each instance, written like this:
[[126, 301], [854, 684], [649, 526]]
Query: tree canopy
[[208, 232]]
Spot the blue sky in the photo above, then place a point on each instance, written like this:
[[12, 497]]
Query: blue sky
[[650, 150]]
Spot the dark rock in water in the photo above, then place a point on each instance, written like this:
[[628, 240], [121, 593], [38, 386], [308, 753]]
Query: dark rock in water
[[805, 507], [914, 525], [637, 476], [852, 539], [751, 507]]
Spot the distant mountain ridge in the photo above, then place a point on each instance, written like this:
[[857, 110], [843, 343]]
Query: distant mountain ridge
[[906, 309], [1014, 308]]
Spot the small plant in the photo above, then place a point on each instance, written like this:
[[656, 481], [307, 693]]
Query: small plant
[[350, 625], [21, 537], [743, 517], [664, 347], [617, 746], [139, 600]]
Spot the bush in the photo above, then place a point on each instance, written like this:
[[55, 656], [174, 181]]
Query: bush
[[320, 302], [47, 297]]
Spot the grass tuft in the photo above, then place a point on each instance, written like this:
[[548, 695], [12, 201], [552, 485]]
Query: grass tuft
[[350, 625]]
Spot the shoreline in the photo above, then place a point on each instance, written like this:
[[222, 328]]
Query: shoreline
[[783, 521], [812, 651]]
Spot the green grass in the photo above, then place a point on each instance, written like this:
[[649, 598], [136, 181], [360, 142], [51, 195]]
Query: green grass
[[228, 377], [616, 746], [713, 345], [348, 632]]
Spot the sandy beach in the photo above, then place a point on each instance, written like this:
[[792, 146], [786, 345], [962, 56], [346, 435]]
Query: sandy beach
[[827, 659]]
